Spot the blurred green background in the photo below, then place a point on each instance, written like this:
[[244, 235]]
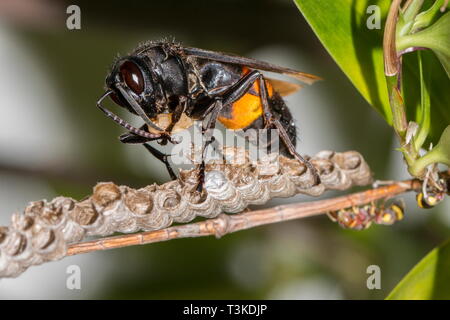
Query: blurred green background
[[53, 141]]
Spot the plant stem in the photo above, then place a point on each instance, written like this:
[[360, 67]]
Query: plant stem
[[397, 107], [425, 106]]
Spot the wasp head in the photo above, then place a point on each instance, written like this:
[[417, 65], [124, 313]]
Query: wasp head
[[131, 86]]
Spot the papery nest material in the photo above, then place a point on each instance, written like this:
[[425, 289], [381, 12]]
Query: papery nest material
[[45, 229]]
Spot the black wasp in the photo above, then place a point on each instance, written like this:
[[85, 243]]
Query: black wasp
[[169, 86]]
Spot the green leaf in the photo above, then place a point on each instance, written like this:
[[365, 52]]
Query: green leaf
[[435, 37], [425, 18], [429, 279], [438, 85], [445, 61], [412, 10], [439, 154], [341, 26]]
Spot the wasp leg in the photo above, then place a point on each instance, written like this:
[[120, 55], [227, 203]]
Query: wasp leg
[[202, 166], [176, 115], [271, 120], [207, 129], [163, 158], [241, 88], [130, 138], [132, 129], [233, 94], [230, 96]]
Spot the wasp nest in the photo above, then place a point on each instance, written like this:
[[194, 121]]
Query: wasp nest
[[45, 229]]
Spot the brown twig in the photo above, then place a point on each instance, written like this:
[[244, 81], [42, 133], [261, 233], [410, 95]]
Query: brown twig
[[225, 224]]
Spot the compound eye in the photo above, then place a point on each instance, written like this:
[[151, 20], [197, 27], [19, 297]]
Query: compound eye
[[132, 76]]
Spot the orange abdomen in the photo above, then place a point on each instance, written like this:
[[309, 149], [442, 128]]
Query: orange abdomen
[[247, 109]]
